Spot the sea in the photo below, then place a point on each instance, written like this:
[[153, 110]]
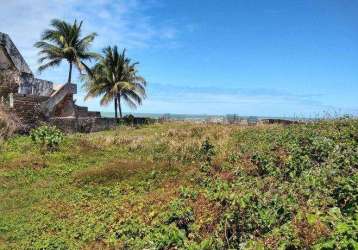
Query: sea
[[203, 117]]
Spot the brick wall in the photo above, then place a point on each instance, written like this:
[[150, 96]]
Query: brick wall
[[27, 108]]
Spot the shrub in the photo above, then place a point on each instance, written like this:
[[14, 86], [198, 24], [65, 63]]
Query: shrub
[[48, 137], [344, 235], [207, 151], [346, 194], [168, 237], [180, 215], [254, 213], [265, 163]]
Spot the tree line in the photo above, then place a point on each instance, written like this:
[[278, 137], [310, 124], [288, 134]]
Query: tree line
[[113, 77]]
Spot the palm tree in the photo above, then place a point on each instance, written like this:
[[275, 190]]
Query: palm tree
[[64, 42], [114, 77]]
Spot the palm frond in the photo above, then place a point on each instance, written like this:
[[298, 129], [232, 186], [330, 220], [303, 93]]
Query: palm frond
[[50, 64], [63, 41]]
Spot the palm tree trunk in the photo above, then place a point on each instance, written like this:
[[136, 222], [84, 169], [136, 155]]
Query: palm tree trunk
[[115, 108], [70, 73], [119, 106]]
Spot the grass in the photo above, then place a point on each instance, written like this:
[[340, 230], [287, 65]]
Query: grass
[[186, 186]]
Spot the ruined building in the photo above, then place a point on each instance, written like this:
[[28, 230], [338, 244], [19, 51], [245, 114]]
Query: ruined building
[[34, 99]]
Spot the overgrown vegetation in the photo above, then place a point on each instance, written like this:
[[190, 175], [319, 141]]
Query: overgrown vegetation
[[47, 137], [184, 186]]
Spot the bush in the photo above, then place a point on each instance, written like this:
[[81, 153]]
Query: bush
[[207, 151], [346, 194], [48, 137], [129, 119], [168, 237], [344, 231], [179, 214]]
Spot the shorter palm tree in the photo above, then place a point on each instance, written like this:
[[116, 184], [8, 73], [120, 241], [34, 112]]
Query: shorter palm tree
[[115, 78]]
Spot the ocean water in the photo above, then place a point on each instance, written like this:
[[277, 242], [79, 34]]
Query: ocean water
[[171, 116], [201, 117]]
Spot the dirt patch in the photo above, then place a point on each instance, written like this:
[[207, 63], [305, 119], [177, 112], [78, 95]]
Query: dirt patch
[[207, 214], [116, 170], [309, 233], [61, 209], [97, 245], [31, 161]]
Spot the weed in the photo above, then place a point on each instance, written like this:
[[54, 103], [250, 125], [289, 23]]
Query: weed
[[49, 138]]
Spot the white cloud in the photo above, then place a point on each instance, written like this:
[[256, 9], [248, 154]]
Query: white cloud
[[121, 22]]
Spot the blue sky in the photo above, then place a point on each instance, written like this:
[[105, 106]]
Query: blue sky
[[269, 58]]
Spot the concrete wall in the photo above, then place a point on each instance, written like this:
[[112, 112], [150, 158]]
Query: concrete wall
[[65, 108], [10, 57], [5, 62], [93, 124], [60, 95], [33, 86], [83, 125], [13, 53], [25, 85], [42, 87]]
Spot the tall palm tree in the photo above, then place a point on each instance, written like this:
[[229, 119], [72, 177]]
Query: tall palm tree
[[64, 42], [114, 77]]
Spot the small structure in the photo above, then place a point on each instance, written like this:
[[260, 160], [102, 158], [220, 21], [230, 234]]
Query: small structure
[[36, 99], [278, 121]]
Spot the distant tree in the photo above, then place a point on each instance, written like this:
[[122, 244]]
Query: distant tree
[[114, 77], [64, 42]]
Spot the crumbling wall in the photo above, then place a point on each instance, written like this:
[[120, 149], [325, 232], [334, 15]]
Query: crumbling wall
[[9, 82], [28, 109], [83, 125], [42, 87], [13, 53], [65, 108], [33, 86], [9, 123]]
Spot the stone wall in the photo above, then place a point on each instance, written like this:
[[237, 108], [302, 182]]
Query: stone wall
[[83, 125], [33, 86], [94, 124], [42, 87], [12, 52], [27, 108], [10, 58], [60, 96], [65, 108]]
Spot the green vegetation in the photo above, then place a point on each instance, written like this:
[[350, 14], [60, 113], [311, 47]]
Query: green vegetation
[[49, 138], [184, 186]]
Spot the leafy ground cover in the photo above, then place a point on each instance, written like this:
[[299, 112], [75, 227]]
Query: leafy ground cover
[[184, 186]]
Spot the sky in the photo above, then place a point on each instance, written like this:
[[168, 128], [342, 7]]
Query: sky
[[257, 57]]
